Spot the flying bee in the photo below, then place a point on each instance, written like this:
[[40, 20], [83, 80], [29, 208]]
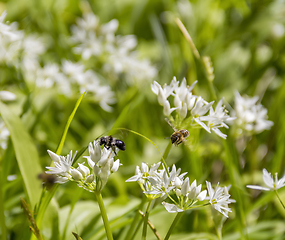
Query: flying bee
[[110, 142], [48, 179], [178, 136]]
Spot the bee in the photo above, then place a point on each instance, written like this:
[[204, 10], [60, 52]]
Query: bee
[[48, 179], [178, 136], [110, 142]]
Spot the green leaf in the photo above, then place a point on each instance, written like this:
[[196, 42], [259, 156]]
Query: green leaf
[[61, 143], [26, 153]]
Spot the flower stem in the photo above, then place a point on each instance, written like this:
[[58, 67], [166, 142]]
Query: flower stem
[[176, 219], [219, 233], [136, 219], [146, 221], [104, 215], [279, 199], [165, 154]]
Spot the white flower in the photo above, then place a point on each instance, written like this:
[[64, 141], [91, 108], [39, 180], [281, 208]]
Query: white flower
[[200, 109], [251, 117], [144, 172], [171, 208], [103, 164], [272, 183], [63, 166], [7, 96], [4, 135], [47, 76], [219, 198], [217, 118]]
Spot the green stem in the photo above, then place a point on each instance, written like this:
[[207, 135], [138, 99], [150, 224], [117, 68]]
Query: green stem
[[165, 155], [175, 221], [104, 215], [279, 199], [136, 219], [137, 229], [2, 215], [219, 233], [146, 221]]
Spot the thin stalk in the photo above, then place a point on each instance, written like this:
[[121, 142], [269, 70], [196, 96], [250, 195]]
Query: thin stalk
[[279, 199], [137, 229], [146, 220], [104, 216], [219, 233], [175, 221], [136, 219], [165, 155], [204, 61], [155, 232], [2, 215]]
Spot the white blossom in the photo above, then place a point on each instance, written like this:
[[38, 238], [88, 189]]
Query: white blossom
[[270, 182], [219, 198], [63, 166], [4, 135], [192, 110], [251, 116]]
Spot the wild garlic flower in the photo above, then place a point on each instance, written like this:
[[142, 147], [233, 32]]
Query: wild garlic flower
[[93, 178], [157, 183], [187, 196], [251, 116], [63, 166], [10, 41], [271, 183], [142, 177], [219, 198], [4, 134], [99, 40], [190, 109], [103, 164]]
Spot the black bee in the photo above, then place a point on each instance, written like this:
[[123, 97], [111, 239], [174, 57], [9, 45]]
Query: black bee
[[110, 142]]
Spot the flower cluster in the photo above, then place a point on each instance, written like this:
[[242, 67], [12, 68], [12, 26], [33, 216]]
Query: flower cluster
[[160, 183], [251, 116], [100, 41], [270, 182], [191, 109], [93, 178], [4, 132]]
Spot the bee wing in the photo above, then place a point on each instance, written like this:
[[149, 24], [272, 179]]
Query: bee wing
[[170, 124]]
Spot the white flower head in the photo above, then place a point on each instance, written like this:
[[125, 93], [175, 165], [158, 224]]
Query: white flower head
[[219, 198], [270, 182], [63, 165], [190, 109], [251, 116]]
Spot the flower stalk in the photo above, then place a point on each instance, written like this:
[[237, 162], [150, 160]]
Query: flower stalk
[[104, 215], [146, 220], [175, 221], [279, 199]]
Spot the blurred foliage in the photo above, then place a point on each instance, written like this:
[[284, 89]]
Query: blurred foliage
[[245, 40]]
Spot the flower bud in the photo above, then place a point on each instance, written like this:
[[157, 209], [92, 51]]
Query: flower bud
[[115, 166], [161, 97], [94, 152], [76, 174], [53, 156], [183, 111], [83, 169], [97, 170], [202, 195], [90, 178]]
